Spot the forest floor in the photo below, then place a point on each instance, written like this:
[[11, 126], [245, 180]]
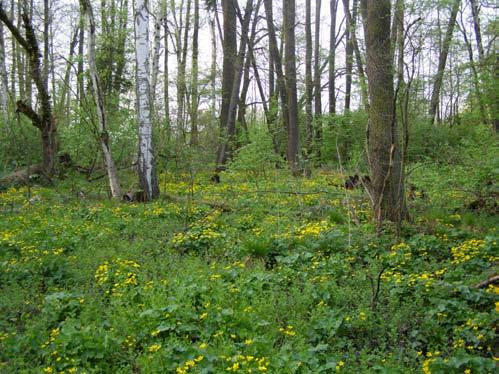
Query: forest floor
[[256, 274]]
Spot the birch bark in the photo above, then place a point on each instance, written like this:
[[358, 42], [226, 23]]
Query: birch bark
[[146, 166]]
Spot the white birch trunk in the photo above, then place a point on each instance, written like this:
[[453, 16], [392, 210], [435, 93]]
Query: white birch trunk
[[155, 59], [112, 172], [146, 167]]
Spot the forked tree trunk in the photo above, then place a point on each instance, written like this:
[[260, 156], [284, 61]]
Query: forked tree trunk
[[227, 147], [43, 119], [146, 164], [112, 172], [386, 185]]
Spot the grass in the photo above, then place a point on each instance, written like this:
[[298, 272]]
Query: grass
[[275, 277]]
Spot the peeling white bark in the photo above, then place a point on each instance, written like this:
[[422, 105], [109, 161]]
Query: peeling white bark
[[147, 175]]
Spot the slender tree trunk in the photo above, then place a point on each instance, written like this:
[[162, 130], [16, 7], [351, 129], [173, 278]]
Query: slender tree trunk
[[166, 78], [442, 59], [194, 76], [112, 172], [64, 91], [213, 73], [317, 79], [358, 57], [275, 57], [146, 164], [289, 16], [308, 76], [348, 57], [386, 186], [81, 44], [4, 80], [120, 52], [226, 149], [333, 6], [181, 75], [476, 80], [478, 31]]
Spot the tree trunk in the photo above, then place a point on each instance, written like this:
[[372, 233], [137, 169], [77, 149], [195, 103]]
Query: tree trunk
[[112, 172], [4, 81], [348, 57], [386, 186], [333, 6], [308, 76], [474, 72], [64, 90], [292, 153], [155, 63], [81, 41], [194, 76], [352, 20], [478, 31], [213, 73], [181, 75], [442, 59], [146, 164], [166, 78], [229, 59], [317, 79], [43, 120], [228, 141], [276, 58]]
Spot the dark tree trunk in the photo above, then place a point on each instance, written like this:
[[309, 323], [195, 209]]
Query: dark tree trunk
[[229, 60], [348, 57], [43, 120], [308, 76], [289, 16], [333, 6], [386, 186], [317, 79], [276, 58], [226, 149]]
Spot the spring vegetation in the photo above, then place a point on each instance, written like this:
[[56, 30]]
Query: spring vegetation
[[204, 187]]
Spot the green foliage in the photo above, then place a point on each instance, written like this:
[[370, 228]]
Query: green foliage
[[270, 282], [257, 157]]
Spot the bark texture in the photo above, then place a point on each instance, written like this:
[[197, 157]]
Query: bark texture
[[146, 164], [386, 185]]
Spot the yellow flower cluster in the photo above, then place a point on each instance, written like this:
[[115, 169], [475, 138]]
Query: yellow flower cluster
[[154, 348], [288, 330], [122, 272], [466, 251], [312, 229], [247, 364], [183, 369], [201, 234]]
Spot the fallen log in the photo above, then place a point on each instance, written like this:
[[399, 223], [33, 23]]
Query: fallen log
[[22, 176]]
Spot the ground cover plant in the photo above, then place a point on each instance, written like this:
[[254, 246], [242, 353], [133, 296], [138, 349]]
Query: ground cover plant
[[283, 275]]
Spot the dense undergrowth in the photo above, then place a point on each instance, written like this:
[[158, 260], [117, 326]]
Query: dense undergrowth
[[258, 274]]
